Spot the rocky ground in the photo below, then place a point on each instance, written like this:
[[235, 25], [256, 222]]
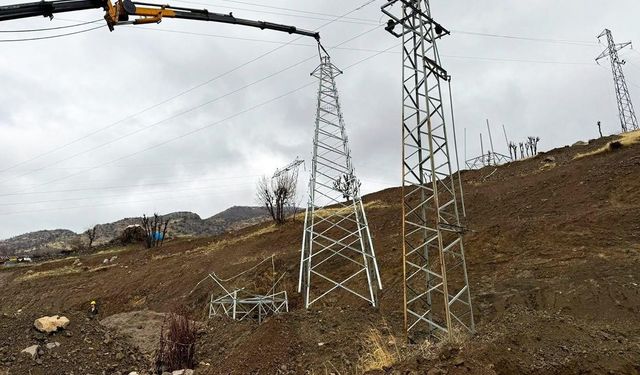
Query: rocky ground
[[553, 257]]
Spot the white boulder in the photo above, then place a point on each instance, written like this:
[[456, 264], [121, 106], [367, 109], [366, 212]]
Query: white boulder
[[50, 324]]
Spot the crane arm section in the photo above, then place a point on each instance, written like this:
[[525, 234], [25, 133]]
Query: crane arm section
[[153, 13], [46, 8], [121, 11]]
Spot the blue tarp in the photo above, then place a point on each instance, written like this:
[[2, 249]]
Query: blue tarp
[[157, 236]]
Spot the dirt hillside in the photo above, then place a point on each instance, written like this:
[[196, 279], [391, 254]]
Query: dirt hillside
[[554, 265]]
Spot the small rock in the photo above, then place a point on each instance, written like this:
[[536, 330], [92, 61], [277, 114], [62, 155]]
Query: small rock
[[39, 361], [105, 261], [52, 345], [119, 356], [549, 159], [113, 258], [133, 373], [32, 350], [436, 371]]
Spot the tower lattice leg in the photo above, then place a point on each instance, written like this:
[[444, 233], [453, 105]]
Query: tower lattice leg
[[337, 250]]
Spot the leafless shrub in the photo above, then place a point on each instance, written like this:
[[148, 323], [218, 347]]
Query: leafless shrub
[[177, 346], [91, 235], [278, 195], [348, 185], [155, 230]]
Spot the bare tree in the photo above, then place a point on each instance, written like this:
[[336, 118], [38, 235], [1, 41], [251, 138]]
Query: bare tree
[[513, 150], [348, 185], [155, 230], [91, 235], [277, 195]]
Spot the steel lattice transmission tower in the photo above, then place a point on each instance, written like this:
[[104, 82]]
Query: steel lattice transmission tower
[[628, 118], [337, 250], [436, 288]]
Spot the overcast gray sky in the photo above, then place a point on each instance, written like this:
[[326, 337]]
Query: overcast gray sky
[[76, 149]]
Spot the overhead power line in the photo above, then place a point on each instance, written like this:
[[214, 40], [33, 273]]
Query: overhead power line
[[187, 180], [120, 194], [318, 16], [181, 113], [110, 204], [307, 12], [373, 22], [51, 36], [531, 39], [182, 93], [51, 28], [202, 128]]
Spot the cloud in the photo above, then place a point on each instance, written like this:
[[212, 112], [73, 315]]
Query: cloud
[[59, 90]]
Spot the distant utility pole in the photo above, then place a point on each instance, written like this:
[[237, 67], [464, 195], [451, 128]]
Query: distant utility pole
[[490, 137], [628, 118], [506, 139], [599, 129]]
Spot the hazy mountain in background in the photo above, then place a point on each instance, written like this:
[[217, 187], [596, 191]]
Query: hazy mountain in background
[[181, 224]]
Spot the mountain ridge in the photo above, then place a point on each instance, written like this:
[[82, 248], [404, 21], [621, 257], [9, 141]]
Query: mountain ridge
[[181, 224]]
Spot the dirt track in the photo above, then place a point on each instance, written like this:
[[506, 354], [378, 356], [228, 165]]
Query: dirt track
[[554, 266]]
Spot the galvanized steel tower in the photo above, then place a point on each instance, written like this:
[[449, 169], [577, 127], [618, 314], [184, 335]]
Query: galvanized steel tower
[[337, 250], [628, 119], [436, 288]]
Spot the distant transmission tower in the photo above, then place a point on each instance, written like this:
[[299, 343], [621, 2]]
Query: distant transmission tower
[[293, 166], [337, 251], [628, 118], [437, 296]]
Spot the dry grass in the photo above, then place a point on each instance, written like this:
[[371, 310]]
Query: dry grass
[[165, 256], [325, 212], [102, 268], [458, 338], [380, 352], [112, 250], [235, 240], [548, 166], [625, 140], [50, 273]]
